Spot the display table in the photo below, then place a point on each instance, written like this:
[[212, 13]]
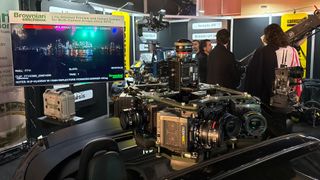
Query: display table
[[46, 125], [52, 121]]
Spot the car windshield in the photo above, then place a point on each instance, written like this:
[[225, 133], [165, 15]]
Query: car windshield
[[306, 166], [287, 157]]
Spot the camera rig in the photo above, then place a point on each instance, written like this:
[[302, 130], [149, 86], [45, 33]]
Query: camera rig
[[154, 22], [188, 121], [286, 79], [192, 125]]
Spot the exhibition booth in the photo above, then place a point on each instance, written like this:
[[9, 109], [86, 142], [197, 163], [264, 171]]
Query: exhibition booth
[[93, 91]]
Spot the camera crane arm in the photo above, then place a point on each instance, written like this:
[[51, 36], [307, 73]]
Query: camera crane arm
[[296, 34], [154, 22], [303, 29]]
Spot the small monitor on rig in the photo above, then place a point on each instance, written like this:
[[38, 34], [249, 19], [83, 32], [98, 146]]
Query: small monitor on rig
[[77, 49]]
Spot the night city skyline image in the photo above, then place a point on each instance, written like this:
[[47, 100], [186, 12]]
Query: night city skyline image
[[53, 54]]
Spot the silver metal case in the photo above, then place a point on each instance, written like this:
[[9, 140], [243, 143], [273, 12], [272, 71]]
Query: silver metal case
[[59, 104]]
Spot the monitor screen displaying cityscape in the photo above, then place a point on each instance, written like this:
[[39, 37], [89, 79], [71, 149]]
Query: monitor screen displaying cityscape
[[66, 54]]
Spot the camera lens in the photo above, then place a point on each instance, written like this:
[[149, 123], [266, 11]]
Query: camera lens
[[209, 134], [255, 123], [130, 119], [232, 125]]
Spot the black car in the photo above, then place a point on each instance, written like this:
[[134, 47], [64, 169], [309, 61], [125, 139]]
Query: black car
[[292, 156], [71, 153]]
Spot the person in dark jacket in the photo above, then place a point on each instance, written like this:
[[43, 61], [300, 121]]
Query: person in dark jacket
[[204, 50], [260, 73], [195, 49], [221, 64]]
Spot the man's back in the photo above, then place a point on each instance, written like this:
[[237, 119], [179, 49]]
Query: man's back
[[221, 68], [202, 62]]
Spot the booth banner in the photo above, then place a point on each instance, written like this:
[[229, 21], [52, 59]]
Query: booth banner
[[203, 36], [12, 111], [30, 17], [205, 29], [126, 18], [287, 22], [207, 25]]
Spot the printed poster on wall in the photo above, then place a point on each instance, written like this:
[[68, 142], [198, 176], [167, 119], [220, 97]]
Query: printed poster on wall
[[12, 111], [287, 22]]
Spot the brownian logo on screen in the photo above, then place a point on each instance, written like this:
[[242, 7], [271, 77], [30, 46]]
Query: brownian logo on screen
[[30, 17]]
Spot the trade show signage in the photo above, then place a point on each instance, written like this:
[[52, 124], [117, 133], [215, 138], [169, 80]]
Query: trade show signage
[[207, 25], [127, 37], [287, 22], [4, 21], [12, 111], [83, 95], [29, 17], [150, 35], [200, 29], [202, 36], [143, 47], [65, 10]]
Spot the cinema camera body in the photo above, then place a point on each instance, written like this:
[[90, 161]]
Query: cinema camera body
[[190, 121], [285, 99]]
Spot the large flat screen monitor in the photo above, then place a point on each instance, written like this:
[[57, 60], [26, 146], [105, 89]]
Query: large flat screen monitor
[[46, 54]]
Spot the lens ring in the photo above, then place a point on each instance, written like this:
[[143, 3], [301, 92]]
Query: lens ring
[[255, 123], [232, 125]]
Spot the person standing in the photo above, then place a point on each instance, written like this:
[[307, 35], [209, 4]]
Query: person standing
[[260, 75], [202, 57], [221, 64], [195, 48]]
